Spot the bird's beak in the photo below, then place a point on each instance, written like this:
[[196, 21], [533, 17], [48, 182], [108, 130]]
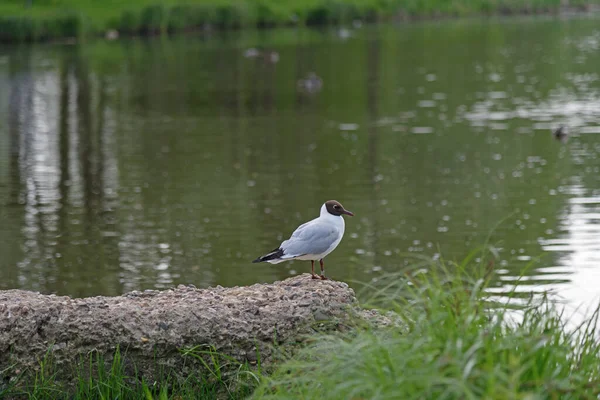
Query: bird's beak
[[350, 213]]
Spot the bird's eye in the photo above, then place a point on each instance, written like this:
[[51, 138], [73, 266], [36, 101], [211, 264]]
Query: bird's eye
[[336, 206]]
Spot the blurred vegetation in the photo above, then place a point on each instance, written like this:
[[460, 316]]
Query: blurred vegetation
[[34, 20]]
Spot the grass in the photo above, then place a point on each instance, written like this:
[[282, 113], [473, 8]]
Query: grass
[[460, 346], [462, 343], [57, 19], [219, 377]]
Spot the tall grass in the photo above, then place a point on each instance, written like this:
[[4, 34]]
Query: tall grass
[[460, 345], [57, 19], [217, 376]]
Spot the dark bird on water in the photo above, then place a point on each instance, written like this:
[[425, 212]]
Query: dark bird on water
[[561, 133]]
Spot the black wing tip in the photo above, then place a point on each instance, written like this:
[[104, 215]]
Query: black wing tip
[[277, 253]]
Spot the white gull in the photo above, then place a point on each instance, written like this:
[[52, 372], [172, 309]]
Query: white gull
[[312, 240]]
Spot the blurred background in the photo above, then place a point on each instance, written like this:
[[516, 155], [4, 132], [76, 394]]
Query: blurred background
[[148, 162]]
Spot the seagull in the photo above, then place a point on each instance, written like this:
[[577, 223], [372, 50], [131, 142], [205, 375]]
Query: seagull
[[312, 240], [252, 53], [311, 84], [268, 56]]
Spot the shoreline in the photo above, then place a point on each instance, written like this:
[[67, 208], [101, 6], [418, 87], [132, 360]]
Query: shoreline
[[31, 26]]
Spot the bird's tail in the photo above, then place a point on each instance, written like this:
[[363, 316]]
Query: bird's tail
[[273, 255]]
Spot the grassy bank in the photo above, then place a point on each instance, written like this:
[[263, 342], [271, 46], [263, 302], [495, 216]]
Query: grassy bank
[[460, 345], [218, 376], [36, 20]]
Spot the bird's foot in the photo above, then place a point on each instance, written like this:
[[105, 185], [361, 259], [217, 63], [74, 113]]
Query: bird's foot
[[324, 278], [315, 276]]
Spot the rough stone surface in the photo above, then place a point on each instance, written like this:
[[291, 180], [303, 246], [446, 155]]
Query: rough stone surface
[[151, 327]]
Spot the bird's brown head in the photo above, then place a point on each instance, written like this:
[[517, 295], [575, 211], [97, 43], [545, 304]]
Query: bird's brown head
[[335, 208]]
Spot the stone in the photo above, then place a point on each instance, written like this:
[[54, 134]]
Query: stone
[[153, 328]]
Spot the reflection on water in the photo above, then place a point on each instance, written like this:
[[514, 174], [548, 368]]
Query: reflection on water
[[144, 164]]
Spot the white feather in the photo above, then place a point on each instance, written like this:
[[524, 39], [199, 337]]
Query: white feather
[[314, 239]]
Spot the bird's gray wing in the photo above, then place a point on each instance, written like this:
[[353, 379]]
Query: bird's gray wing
[[310, 238]]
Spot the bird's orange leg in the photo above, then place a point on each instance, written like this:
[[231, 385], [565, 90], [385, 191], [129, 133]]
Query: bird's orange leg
[[312, 265], [322, 270]]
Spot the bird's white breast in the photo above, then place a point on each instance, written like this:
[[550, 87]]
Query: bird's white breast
[[338, 223]]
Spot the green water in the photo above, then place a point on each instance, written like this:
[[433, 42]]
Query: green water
[[147, 163]]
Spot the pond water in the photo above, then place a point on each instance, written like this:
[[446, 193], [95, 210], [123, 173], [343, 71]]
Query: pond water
[[142, 164]]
